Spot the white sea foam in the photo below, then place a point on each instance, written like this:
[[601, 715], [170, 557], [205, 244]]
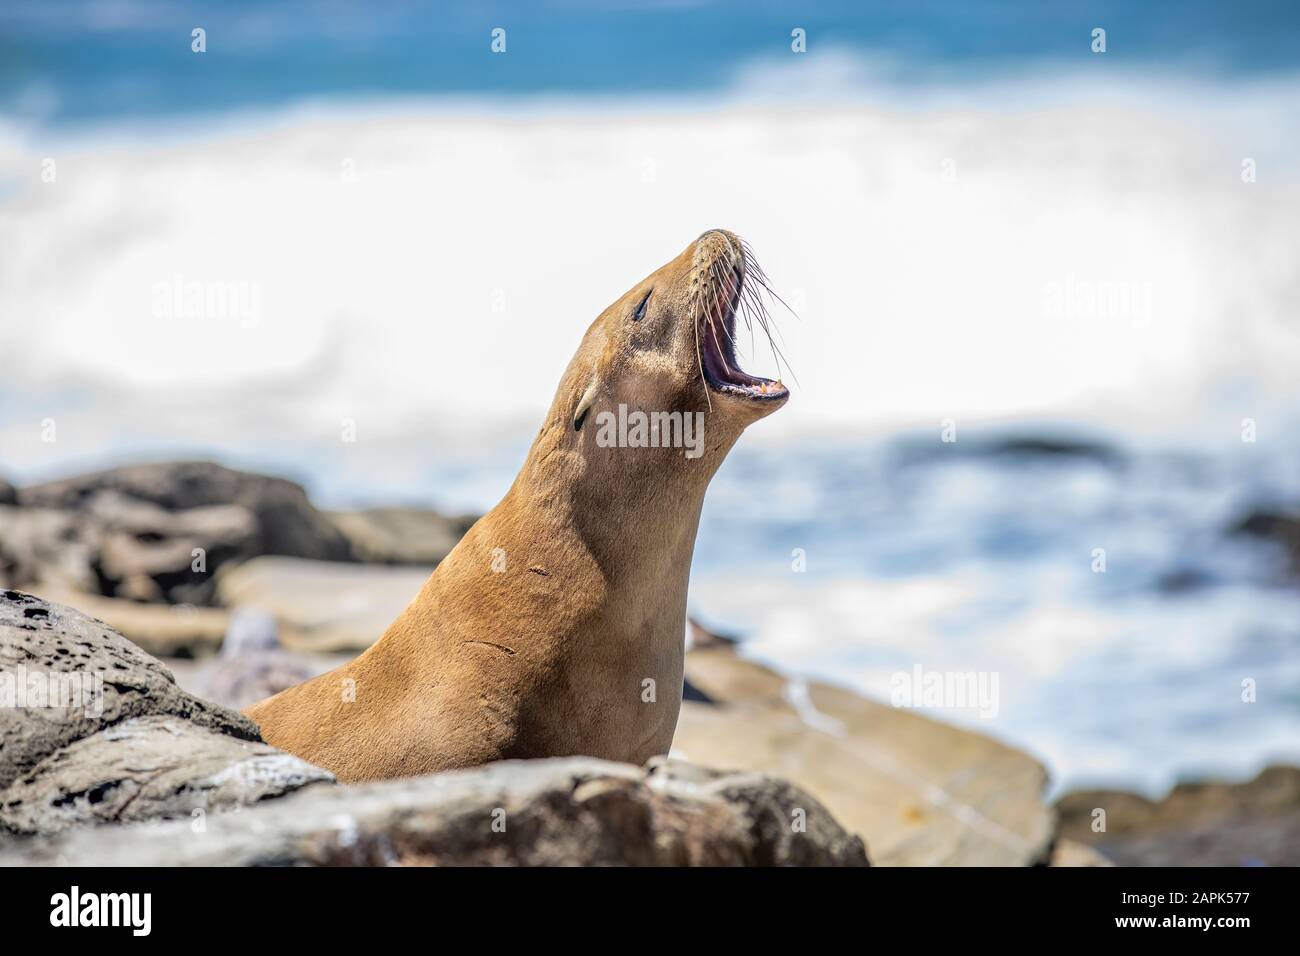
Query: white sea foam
[[427, 271]]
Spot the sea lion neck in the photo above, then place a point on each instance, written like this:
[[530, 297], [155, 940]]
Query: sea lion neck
[[634, 510]]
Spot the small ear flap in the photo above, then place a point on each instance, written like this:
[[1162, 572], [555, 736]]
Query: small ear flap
[[585, 403]]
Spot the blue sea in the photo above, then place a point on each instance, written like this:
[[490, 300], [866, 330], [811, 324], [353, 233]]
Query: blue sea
[[73, 61]]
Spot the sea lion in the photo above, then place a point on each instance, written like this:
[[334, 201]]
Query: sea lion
[[556, 626]]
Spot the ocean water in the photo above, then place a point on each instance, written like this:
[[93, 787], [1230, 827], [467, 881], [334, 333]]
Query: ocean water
[[967, 560], [71, 61], [976, 219]]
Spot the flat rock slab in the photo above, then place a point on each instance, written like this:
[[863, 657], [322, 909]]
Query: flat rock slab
[[565, 811], [323, 606], [921, 792]]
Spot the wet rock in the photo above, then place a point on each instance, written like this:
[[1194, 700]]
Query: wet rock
[[1012, 448], [1179, 581], [1276, 526], [1050, 447], [566, 811]]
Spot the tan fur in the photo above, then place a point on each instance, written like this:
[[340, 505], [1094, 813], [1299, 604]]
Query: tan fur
[[548, 656]]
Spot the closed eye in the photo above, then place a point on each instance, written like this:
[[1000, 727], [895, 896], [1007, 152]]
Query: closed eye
[[640, 309]]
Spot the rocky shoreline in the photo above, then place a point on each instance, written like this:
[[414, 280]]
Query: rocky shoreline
[[243, 588], [126, 768]]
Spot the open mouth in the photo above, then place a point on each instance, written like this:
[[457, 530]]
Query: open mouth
[[722, 373]]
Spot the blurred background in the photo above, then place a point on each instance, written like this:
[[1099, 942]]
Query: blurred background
[[355, 245]]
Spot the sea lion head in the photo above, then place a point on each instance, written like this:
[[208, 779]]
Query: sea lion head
[[666, 350]]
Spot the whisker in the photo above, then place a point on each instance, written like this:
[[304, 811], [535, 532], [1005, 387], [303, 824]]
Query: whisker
[[699, 358], [729, 277], [757, 308], [715, 321]]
